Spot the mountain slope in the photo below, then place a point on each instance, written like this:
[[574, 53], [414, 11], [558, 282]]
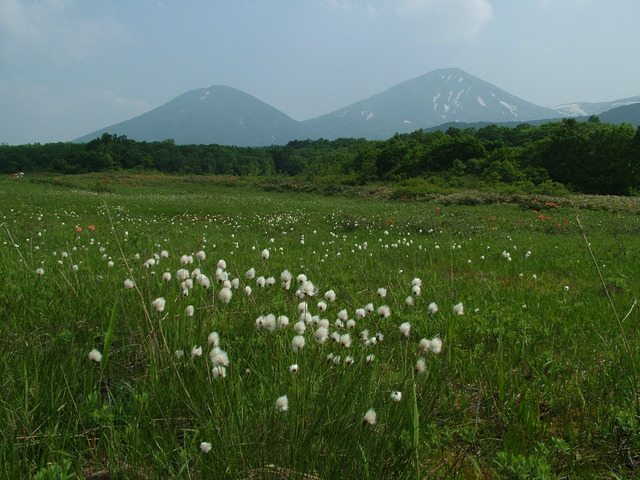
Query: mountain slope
[[217, 114], [626, 113], [581, 109], [438, 97]]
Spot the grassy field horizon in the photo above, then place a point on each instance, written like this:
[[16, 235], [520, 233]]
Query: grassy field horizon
[[161, 326]]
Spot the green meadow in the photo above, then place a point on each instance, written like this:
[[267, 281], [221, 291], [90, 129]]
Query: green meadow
[[156, 327]]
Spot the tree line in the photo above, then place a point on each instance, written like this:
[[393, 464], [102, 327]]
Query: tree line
[[586, 157]]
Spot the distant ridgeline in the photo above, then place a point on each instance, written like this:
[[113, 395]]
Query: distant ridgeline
[[584, 156]]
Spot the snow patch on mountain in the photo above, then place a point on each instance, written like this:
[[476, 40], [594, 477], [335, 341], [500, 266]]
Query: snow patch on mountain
[[481, 101], [512, 108]]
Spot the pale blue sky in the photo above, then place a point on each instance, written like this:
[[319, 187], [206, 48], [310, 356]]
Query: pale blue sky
[[69, 67]]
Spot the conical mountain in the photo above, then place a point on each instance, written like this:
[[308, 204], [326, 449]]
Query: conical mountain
[[218, 114], [441, 96]]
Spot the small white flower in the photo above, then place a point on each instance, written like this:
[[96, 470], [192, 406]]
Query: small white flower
[[421, 365], [205, 447], [435, 345], [297, 343], [159, 304], [196, 351], [251, 273], [382, 292], [330, 295], [294, 368], [218, 357], [351, 323], [166, 277], [416, 290], [204, 281], [566, 288], [219, 371], [458, 309], [128, 283], [369, 307], [343, 315], [40, 271], [369, 417], [416, 281], [214, 339], [409, 301], [361, 312], [265, 254], [370, 358], [299, 327], [225, 295], [164, 254], [396, 396], [189, 311], [321, 335], [282, 403], [270, 322], [282, 321], [247, 290], [345, 340], [261, 281], [201, 255], [405, 328], [182, 274], [384, 311], [424, 344], [301, 278], [95, 355]]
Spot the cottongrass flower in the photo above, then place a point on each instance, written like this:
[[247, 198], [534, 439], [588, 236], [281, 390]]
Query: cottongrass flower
[[416, 282], [308, 289], [250, 274], [166, 277], [330, 295], [201, 255], [432, 308], [435, 345], [345, 340], [299, 327], [74, 268], [301, 278], [218, 357], [424, 344], [110, 264], [196, 352], [421, 365], [204, 281], [282, 321], [369, 417], [361, 312], [189, 311], [159, 304], [405, 328], [270, 282], [351, 323], [396, 396], [370, 358], [164, 254], [261, 281], [247, 290], [40, 271], [206, 447], [186, 259], [196, 273], [235, 283], [95, 355], [384, 311], [182, 274], [265, 254], [343, 315], [270, 322], [321, 335], [214, 339], [178, 354], [369, 307], [382, 292], [128, 283], [225, 295], [222, 264], [416, 290], [294, 368], [349, 360], [303, 307], [282, 403], [219, 371], [297, 343], [322, 306], [458, 309], [409, 301]]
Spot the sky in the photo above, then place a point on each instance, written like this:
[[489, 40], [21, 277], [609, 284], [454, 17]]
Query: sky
[[70, 67]]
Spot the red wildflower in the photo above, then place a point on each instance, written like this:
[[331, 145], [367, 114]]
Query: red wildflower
[[78, 229]]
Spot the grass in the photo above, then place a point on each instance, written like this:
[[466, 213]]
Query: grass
[[537, 379]]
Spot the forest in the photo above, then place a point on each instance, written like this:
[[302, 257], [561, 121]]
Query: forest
[[588, 157]]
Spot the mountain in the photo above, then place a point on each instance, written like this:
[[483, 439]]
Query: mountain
[[626, 113], [226, 116], [221, 115], [438, 97], [588, 109]]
